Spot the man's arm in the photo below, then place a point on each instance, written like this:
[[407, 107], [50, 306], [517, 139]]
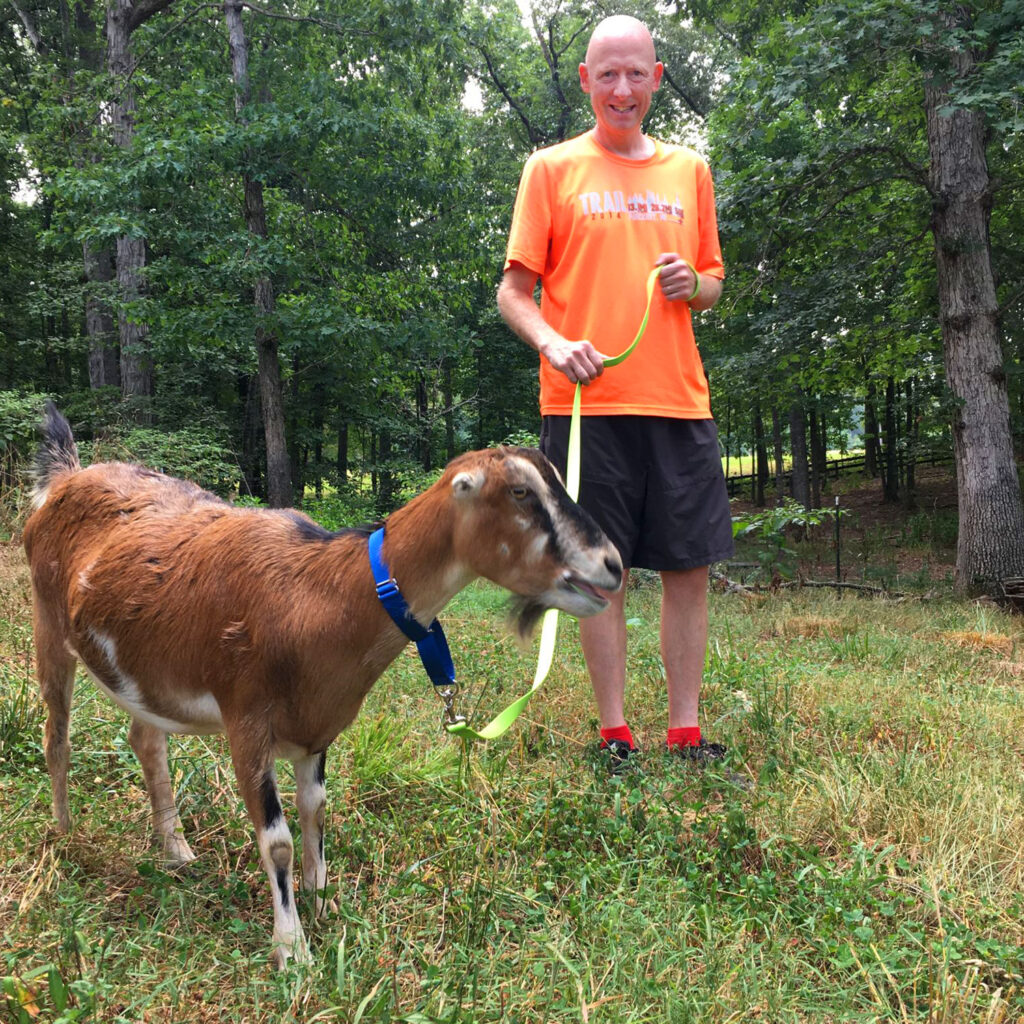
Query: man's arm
[[578, 360]]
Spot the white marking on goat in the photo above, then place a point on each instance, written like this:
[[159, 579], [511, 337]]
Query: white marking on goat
[[275, 845], [83, 577], [311, 800], [535, 550], [193, 715]]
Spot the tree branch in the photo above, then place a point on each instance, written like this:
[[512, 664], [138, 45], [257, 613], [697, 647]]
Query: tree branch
[[335, 26], [38, 44], [690, 101], [509, 99], [143, 10]]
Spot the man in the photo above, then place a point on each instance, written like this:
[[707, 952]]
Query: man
[[593, 216]]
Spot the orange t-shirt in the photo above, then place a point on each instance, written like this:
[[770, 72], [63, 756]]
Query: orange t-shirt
[[591, 225]]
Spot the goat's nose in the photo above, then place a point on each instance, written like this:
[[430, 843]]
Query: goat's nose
[[613, 565]]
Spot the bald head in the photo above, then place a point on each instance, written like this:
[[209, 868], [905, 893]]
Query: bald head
[[620, 28], [621, 75]]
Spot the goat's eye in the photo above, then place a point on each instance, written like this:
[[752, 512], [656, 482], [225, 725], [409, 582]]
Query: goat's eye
[[519, 492]]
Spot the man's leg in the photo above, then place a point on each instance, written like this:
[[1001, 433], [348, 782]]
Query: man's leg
[[684, 640], [603, 638]]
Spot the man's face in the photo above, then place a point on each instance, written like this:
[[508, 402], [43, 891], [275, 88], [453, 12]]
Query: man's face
[[620, 76]]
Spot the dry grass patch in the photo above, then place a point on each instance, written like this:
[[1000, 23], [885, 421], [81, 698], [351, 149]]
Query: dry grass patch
[[811, 627], [973, 640]]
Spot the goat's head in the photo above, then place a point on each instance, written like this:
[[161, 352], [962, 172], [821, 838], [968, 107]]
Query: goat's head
[[517, 526]]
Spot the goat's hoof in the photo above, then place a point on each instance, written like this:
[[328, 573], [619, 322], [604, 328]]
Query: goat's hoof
[[326, 907], [177, 854], [297, 951]]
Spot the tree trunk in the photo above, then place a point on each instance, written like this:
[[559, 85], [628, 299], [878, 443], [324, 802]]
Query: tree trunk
[[422, 423], [385, 475], [298, 449], [104, 361], [319, 399], [911, 434], [728, 437], [872, 461], [990, 544], [342, 460], [123, 16], [279, 479], [248, 389], [98, 261], [761, 472], [891, 476], [780, 458], [816, 460], [448, 397], [800, 489]]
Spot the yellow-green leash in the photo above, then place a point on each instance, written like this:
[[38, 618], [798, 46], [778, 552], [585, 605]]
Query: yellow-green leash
[[549, 629]]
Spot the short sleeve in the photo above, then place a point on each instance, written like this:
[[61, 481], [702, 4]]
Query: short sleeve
[[530, 234]]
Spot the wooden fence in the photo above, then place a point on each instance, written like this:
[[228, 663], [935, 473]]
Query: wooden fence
[[835, 468]]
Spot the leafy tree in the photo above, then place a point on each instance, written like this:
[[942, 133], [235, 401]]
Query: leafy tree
[[853, 129]]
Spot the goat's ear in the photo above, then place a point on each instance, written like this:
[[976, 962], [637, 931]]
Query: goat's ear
[[465, 484]]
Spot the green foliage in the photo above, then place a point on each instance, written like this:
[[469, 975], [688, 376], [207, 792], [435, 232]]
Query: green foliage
[[769, 530], [342, 509], [521, 439], [938, 529], [20, 413], [193, 453], [826, 186]]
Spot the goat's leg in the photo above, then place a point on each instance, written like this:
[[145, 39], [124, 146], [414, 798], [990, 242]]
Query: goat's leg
[[254, 769], [150, 746], [311, 800], [55, 669]]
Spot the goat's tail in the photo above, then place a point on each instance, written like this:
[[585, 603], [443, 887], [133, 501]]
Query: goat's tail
[[57, 455]]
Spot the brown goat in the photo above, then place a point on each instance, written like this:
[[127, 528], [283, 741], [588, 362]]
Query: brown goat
[[198, 617]]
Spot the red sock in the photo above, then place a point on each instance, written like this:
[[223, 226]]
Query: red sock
[[687, 736], [619, 732]]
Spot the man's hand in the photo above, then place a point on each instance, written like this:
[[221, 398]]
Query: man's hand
[[578, 360], [677, 279]]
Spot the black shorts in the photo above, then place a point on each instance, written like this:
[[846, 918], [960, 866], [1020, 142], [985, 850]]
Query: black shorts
[[655, 486]]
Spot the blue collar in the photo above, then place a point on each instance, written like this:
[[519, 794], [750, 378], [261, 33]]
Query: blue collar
[[431, 643]]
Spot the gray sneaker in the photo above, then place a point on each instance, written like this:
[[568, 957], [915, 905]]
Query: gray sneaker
[[619, 755], [703, 753]]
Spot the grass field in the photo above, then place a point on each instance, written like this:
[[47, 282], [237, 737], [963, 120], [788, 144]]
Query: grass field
[[874, 871]]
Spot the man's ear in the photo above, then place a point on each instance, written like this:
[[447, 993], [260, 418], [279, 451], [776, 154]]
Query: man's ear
[[658, 69], [584, 78]]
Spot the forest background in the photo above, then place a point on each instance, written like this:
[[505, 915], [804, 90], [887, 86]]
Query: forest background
[[257, 244]]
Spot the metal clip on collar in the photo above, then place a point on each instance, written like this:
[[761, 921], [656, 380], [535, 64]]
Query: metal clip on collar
[[448, 695]]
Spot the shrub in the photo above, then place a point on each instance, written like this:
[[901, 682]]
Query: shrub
[[193, 453]]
